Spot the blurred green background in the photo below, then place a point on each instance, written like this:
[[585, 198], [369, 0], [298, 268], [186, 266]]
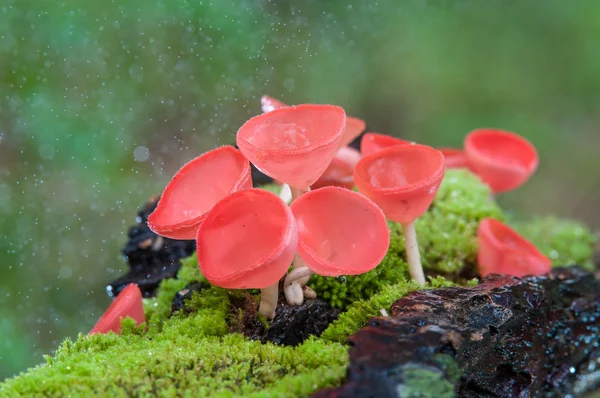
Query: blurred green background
[[101, 102]]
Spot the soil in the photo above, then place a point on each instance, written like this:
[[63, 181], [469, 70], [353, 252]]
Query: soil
[[508, 337], [150, 258], [292, 324]]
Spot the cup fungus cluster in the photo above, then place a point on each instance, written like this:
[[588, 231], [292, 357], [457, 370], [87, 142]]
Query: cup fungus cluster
[[247, 238]]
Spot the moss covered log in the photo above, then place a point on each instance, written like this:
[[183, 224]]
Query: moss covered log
[[202, 353]]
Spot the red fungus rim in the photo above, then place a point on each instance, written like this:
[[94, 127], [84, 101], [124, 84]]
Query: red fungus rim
[[276, 252], [257, 120], [245, 175], [472, 145], [367, 160], [334, 271], [489, 227]]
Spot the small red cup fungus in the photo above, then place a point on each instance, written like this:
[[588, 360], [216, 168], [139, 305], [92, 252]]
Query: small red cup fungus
[[502, 159], [503, 251], [294, 144], [455, 158], [340, 232], [196, 188], [248, 241], [127, 304], [373, 142], [403, 181]]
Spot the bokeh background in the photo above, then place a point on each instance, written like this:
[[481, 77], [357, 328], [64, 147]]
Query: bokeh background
[[101, 102]]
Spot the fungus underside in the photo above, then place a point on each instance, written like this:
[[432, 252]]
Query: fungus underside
[[200, 351]]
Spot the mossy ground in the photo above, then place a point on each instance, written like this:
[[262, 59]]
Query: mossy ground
[[202, 353]]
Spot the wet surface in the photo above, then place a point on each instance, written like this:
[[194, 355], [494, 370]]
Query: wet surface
[[508, 337], [151, 258]]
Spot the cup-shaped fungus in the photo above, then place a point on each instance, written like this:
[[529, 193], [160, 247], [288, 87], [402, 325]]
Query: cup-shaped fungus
[[504, 251], [403, 181], [248, 241], [196, 188], [340, 232], [127, 304], [339, 173], [455, 158], [294, 144], [373, 142], [502, 159]]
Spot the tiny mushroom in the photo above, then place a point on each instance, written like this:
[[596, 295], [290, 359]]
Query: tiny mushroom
[[127, 304], [403, 181], [340, 171], [329, 241], [502, 159], [248, 241], [196, 188], [503, 251], [455, 158], [373, 142]]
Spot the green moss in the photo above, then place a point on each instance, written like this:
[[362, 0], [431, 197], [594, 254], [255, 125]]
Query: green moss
[[192, 353], [565, 242], [275, 188], [199, 352], [423, 383], [359, 313]]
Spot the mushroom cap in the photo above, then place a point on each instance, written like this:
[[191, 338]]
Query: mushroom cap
[[373, 142], [354, 128], [402, 180], [340, 232], [340, 172], [294, 144], [196, 188], [455, 158], [247, 241], [503, 251], [127, 304], [502, 159]]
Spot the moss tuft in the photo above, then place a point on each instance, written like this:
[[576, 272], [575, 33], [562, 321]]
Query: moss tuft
[[424, 383], [359, 313], [565, 242]]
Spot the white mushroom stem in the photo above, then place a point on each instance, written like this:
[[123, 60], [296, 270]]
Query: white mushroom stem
[[286, 194], [268, 301], [412, 253], [296, 192], [293, 291], [293, 279]]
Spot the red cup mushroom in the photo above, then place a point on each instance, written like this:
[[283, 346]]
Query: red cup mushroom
[[248, 241], [503, 251], [294, 144], [196, 188], [373, 142], [455, 158], [502, 159], [127, 304], [340, 232], [403, 181]]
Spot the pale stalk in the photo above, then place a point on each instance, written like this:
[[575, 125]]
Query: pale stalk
[[412, 253], [268, 301], [286, 194], [294, 293]]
